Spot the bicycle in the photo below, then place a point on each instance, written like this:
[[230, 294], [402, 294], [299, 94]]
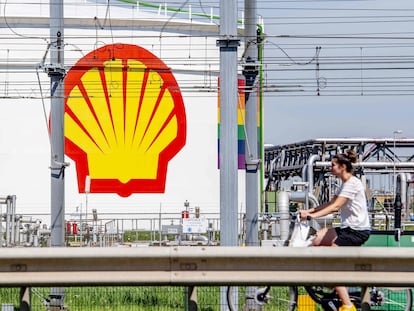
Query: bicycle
[[364, 298]]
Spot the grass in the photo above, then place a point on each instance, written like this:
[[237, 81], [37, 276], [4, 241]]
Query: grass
[[135, 298], [154, 298], [125, 298]]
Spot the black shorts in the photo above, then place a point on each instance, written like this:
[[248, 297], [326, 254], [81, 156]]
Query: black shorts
[[350, 237]]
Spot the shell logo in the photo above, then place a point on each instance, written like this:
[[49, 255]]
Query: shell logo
[[124, 120]]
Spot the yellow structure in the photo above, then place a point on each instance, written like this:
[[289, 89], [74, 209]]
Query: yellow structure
[[305, 303]]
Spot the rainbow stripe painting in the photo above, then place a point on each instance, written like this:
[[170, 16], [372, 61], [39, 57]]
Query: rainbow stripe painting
[[241, 137]]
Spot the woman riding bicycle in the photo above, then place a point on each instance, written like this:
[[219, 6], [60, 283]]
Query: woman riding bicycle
[[350, 200]]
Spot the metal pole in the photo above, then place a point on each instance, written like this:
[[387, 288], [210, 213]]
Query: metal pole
[[87, 190], [80, 226], [8, 221], [397, 218], [25, 298], [13, 221], [56, 73], [250, 73], [393, 168], [393, 160], [228, 44], [191, 298]]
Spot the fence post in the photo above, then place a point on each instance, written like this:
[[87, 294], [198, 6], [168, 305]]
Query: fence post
[[25, 298], [365, 299], [192, 298]]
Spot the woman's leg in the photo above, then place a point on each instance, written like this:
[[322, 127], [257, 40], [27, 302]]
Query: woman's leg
[[342, 292], [325, 237]]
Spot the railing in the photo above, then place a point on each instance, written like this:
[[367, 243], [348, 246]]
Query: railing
[[206, 266]]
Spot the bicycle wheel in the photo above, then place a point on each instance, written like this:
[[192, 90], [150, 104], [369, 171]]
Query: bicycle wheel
[[391, 299], [271, 298]]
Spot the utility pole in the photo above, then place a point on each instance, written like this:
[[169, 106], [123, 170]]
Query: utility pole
[[252, 163], [56, 72], [228, 43], [250, 72]]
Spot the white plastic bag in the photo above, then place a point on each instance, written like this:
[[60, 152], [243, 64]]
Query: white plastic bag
[[300, 235]]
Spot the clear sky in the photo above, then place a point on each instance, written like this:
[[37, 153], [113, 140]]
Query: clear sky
[[358, 55], [366, 69]]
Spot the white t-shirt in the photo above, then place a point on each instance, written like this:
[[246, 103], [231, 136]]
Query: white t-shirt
[[355, 212]]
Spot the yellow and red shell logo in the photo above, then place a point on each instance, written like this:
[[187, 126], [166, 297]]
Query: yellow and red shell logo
[[124, 120]]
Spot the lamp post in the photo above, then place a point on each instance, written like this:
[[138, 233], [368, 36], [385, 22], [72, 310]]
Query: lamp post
[[393, 160], [186, 213], [87, 191]]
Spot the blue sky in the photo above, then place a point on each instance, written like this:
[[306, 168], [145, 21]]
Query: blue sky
[[364, 69]]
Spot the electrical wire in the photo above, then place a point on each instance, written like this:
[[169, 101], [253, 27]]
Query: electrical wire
[[44, 111], [318, 50], [291, 62], [172, 16], [12, 29]]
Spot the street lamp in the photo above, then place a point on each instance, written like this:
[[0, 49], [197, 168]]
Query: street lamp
[[186, 205], [87, 191], [393, 160]]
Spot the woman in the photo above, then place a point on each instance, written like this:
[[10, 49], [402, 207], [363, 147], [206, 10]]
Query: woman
[[350, 200]]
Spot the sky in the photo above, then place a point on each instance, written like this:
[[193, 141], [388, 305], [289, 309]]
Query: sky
[[364, 66], [335, 68]]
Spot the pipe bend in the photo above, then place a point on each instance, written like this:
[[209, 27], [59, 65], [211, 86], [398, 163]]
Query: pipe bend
[[300, 196], [309, 168]]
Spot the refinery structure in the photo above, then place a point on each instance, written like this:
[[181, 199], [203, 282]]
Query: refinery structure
[[385, 166]]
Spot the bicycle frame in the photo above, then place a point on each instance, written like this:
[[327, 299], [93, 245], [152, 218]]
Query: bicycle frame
[[301, 234]]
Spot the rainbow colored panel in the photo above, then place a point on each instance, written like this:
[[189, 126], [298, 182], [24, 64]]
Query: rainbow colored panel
[[241, 138]]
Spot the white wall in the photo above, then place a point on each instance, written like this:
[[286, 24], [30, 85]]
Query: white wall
[[24, 146]]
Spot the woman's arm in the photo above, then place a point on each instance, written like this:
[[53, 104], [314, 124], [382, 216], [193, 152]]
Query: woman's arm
[[330, 207]]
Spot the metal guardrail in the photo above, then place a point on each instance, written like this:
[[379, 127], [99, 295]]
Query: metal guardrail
[[206, 266]]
